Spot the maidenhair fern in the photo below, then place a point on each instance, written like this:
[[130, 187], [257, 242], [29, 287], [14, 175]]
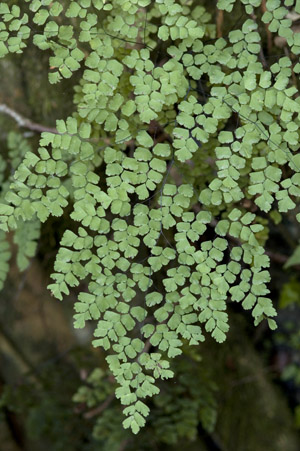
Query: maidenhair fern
[[194, 150]]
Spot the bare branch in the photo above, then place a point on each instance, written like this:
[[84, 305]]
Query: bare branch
[[26, 123], [94, 412]]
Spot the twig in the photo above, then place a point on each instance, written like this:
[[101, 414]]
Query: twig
[[26, 123], [94, 412], [220, 18], [147, 346], [7, 343], [124, 444]]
